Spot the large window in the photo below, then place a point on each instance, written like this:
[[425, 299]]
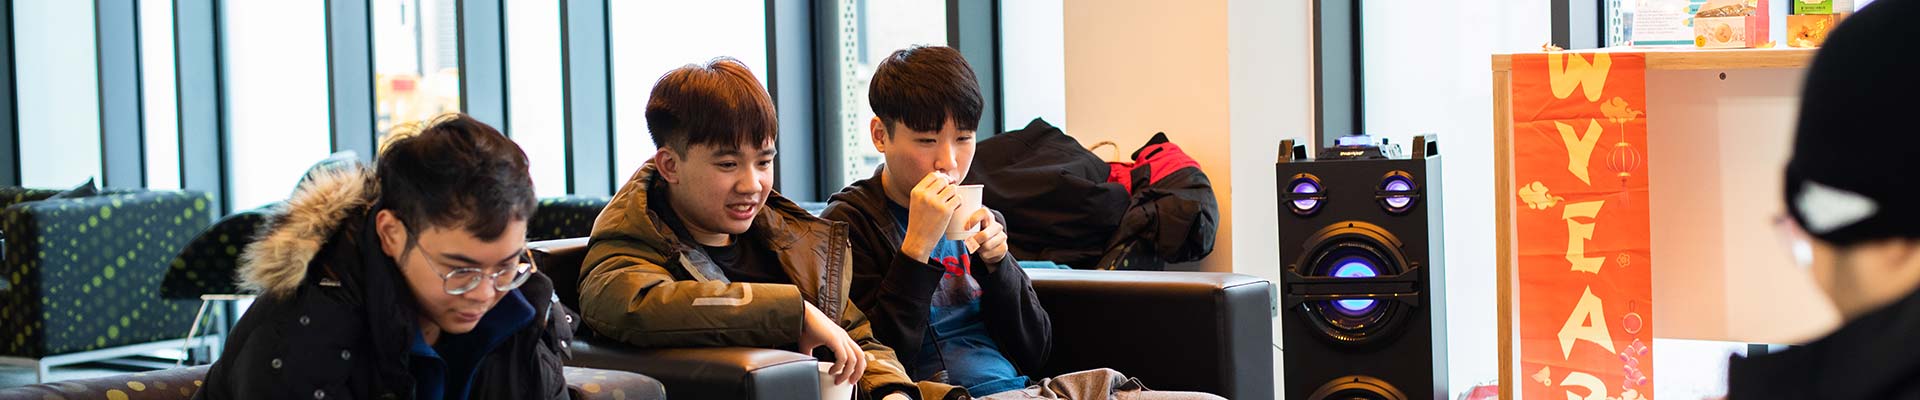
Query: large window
[[651, 38], [246, 111], [416, 61], [534, 91], [159, 105], [1033, 68], [869, 32], [58, 88], [275, 57]]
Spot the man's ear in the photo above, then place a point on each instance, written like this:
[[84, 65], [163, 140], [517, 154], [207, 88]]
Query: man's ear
[[879, 135], [393, 233], [667, 162]]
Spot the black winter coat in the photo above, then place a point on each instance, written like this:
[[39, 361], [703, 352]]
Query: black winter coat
[[1872, 357], [336, 323], [1058, 204], [895, 292]]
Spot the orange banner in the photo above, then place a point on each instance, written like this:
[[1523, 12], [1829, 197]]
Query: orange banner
[[1585, 284]]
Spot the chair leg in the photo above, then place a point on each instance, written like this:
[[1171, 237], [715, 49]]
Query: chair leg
[[224, 318], [186, 343]]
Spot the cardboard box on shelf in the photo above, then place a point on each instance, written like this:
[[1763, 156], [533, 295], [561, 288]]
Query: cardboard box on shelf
[[1810, 30], [1664, 22], [1814, 7], [1731, 24]]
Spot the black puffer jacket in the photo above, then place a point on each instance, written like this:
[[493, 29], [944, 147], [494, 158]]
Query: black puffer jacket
[[1871, 357], [1054, 193], [334, 318]]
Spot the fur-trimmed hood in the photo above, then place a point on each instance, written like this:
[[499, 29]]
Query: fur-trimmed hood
[[327, 198]]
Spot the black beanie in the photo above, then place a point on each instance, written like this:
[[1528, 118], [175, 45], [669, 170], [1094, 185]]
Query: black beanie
[[1856, 151]]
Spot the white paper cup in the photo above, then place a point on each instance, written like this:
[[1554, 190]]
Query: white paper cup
[[830, 390], [957, 228]]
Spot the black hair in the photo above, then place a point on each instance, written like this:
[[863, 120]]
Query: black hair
[[454, 172], [922, 86]]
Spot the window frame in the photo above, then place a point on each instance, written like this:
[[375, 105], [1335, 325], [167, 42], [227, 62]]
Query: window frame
[[801, 69]]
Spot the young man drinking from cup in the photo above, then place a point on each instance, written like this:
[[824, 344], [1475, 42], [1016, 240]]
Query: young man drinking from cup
[[930, 265]]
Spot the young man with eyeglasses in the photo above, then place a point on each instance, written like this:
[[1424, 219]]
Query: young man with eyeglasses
[[1850, 220], [409, 280], [697, 250]]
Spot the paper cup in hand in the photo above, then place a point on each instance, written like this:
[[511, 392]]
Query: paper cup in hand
[[830, 390], [957, 228]]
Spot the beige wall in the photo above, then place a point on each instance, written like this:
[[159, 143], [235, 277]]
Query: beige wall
[[1720, 273], [1136, 67], [1226, 79]]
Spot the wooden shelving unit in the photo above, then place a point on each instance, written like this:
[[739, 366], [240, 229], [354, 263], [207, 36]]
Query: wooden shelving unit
[[1658, 59], [1696, 59]]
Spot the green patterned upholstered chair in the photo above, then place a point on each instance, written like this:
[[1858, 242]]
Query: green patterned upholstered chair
[[206, 270], [208, 263], [564, 217], [83, 275]]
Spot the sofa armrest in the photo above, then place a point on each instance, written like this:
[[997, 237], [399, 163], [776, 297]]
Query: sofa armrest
[[709, 373], [1192, 331]]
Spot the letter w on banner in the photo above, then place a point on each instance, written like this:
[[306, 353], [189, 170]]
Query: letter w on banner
[[1585, 288]]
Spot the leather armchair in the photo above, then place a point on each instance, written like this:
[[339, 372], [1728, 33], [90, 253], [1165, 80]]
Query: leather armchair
[[687, 373], [1190, 331]]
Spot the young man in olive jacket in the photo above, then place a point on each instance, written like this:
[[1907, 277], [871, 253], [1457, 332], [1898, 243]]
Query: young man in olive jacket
[[957, 310], [696, 250], [410, 280], [1850, 219]]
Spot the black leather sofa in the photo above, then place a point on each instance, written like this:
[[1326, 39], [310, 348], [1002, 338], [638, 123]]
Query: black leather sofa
[[1194, 331]]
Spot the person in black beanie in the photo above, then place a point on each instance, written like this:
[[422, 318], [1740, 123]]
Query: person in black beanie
[[1847, 220]]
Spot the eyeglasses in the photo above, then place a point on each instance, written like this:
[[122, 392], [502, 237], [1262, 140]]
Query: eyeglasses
[[459, 281], [1795, 240]]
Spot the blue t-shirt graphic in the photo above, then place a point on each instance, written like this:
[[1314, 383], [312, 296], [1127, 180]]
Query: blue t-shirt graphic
[[956, 340]]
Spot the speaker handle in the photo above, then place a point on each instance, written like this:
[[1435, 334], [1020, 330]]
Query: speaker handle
[[1290, 152], [1426, 145], [1402, 287]]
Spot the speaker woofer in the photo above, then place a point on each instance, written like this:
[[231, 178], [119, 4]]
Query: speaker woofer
[[1354, 251], [1357, 387]]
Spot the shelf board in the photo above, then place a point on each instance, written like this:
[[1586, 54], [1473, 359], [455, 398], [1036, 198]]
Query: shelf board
[[1687, 58]]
